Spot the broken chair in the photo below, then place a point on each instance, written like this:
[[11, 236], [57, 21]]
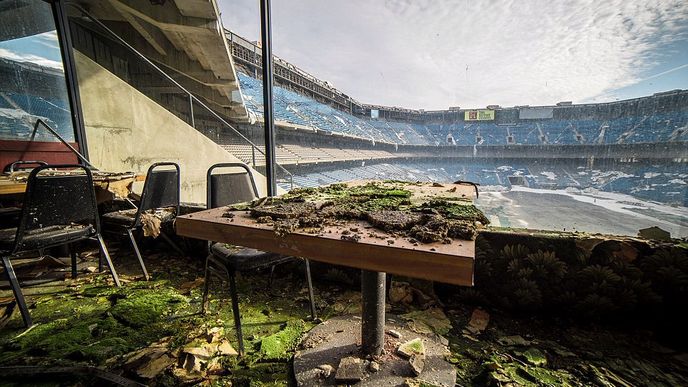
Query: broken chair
[[224, 261], [58, 209], [159, 198]]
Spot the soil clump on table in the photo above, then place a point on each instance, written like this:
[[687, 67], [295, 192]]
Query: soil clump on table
[[387, 206]]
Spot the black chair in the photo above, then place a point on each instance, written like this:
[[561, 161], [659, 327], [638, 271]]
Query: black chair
[[224, 260], [59, 209], [160, 192], [9, 216]]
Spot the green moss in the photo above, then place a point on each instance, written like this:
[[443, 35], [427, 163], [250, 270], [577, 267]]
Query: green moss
[[414, 346], [501, 369], [72, 327], [455, 210], [277, 346], [434, 221], [259, 374], [535, 357], [144, 308]]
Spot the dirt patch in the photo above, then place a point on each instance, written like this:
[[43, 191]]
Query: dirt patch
[[386, 205]]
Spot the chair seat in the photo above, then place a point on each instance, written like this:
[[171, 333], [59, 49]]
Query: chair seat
[[243, 258], [45, 237], [126, 217]]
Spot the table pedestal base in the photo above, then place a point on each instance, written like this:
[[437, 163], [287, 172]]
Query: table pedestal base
[[373, 324], [340, 337]]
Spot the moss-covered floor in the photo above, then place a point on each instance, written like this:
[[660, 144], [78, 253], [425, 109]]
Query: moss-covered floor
[[88, 322]]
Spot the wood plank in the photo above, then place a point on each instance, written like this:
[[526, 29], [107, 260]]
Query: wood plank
[[10, 187], [116, 183], [450, 263]]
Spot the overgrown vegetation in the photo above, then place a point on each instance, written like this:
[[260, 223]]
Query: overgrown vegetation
[[388, 206], [564, 310]]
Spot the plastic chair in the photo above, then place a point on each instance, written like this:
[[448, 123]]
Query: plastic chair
[[161, 190], [225, 261], [59, 209]]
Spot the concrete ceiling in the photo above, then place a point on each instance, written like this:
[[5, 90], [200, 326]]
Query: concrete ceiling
[[186, 38]]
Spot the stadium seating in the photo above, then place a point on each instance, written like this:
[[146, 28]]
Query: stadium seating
[[18, 113], [665, 183], [297, 109]]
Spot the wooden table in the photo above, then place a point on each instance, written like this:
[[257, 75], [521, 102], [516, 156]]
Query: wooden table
[[449, 263], [107, 184]]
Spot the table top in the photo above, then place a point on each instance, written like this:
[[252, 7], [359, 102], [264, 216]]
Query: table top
[[15, 183], [374, 249]]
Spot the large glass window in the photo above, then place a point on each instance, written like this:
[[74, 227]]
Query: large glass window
[[32, 80], [570, 117]]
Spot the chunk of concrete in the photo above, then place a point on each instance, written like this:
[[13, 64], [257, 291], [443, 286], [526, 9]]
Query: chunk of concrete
[[417, 363], [326, 370], [513, 341], [349, 370], [226, 349], [411, 347], [394, 333], [478, 322]]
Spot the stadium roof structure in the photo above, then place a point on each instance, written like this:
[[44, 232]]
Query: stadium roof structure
[[183, 36]]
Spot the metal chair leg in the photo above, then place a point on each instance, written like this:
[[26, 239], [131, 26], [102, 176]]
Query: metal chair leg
[[206, 284], [172, 244], [18, 295], [271, 277], [105, 255], [138, 254], [235, 310], [72, 254], [311, 297]]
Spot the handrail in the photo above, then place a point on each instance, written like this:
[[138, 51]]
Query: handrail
[[62, 140], [192, 98]]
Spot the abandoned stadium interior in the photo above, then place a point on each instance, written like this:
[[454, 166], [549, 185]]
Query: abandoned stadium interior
[[568, 266]]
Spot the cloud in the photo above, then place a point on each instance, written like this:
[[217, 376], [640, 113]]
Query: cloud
[[48, 39], [663, 73], [436, 54], [35, 59]]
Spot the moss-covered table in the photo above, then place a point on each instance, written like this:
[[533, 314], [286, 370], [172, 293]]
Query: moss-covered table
[[419, 230]]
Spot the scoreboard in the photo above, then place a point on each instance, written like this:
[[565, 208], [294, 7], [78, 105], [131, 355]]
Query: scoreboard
[[479, 115]]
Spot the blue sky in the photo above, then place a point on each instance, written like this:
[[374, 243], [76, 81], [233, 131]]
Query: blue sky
[[435, 54], [41, 49]]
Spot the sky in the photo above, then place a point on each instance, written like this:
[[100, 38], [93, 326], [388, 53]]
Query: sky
[[41, 49], [426, 54]]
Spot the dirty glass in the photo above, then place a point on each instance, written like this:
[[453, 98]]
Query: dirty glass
[[570, 117], [32, 81]]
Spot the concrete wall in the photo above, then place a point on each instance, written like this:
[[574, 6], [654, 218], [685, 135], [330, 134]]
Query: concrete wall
[[127, 131]]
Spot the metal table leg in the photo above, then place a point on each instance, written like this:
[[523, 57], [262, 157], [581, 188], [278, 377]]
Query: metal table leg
[[373, 319]]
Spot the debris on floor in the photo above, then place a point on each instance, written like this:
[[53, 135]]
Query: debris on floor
[[152, 331], [349, 370], [478, 322]]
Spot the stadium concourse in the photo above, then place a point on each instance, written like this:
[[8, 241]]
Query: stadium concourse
[[611, 168]]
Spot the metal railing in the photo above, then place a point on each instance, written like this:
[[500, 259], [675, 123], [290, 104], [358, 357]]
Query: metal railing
[[192, 98]]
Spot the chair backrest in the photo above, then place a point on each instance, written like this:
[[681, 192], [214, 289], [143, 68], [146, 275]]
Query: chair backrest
[[231, 187], [161, 188], [21, 164], [55, 198]]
